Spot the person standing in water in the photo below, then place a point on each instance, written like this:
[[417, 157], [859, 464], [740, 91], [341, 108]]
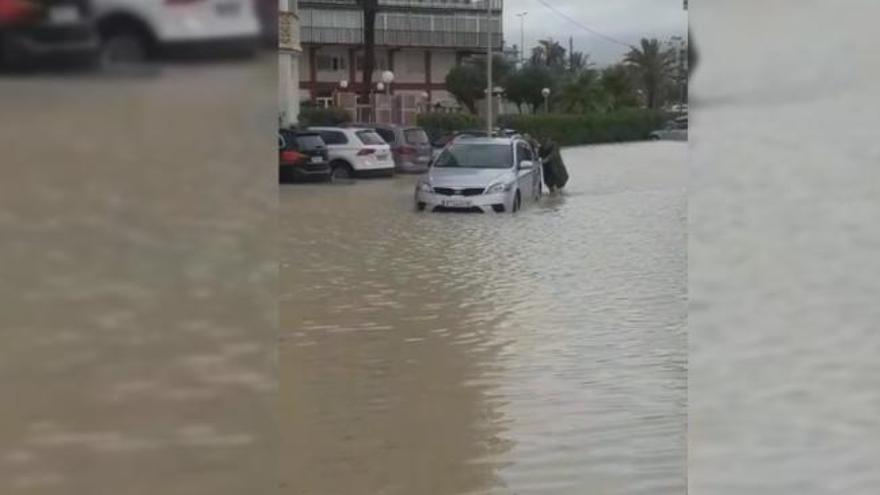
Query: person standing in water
[[555, 174]]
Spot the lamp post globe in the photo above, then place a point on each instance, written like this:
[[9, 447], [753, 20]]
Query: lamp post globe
[[380, 87], [388, 77], [343, 84]]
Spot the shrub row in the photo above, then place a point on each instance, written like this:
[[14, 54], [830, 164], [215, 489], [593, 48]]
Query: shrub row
[[331, 116], [572, 130]]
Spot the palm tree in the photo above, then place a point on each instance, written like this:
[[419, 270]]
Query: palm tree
[[652, 66], [582, 94], [548, 53], [617, 85], [370, 9], [579, 61]]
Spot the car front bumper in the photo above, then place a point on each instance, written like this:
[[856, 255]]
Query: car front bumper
[[300, 173], [44, 42], [487, 203]]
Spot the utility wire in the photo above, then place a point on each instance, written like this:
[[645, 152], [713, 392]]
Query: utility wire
[[584, 27]]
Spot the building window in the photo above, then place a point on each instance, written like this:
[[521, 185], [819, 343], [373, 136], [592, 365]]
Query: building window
[[381, 62], [330, 62]]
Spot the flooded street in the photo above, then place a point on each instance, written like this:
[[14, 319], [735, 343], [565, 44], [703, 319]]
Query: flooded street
[[543, 352], [138, 282], [784, 237]]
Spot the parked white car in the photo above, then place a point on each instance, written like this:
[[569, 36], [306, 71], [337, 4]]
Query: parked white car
[[133, 30], [356, 152], [481, 175]]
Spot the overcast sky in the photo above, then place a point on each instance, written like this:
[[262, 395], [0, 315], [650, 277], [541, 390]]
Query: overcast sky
[[627, 20]]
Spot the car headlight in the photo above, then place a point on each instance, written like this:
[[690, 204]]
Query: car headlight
[[498, 188], [425, 187]]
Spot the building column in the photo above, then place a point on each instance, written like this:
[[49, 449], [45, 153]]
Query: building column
[[288, 87], [352, 69]]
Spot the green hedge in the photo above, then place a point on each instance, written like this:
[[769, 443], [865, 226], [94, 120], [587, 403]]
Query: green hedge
[[323, 116], [571, 130], [439, 124]]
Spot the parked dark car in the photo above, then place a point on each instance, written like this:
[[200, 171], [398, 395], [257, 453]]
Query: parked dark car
[[302, 156], [267, 11], [47, 31], [410, 146]]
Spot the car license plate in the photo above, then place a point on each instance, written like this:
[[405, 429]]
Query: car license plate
[[423, 158], [316, 159], [228, 8], [457, 203], [383, 156], [67, 14]]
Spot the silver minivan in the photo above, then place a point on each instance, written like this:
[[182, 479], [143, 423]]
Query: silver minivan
[[410, 146]]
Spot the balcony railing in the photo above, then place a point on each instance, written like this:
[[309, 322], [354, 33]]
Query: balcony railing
[[438, 39], [288, 31], [423, 4]]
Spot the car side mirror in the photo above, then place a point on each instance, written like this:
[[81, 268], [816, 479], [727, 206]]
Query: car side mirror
[[526, 165]]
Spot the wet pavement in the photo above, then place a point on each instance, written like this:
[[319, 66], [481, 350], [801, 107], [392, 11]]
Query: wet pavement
[[543, 352]]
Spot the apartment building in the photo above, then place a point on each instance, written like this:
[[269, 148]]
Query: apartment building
[[419, 41]]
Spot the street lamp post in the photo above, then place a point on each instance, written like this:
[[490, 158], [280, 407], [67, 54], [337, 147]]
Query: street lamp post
[[522, 37], [426, 101], [546, 94], [380, 88], [388, 78], [489, 95]]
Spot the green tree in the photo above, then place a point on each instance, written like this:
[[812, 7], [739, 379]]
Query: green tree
[[467, 81], [652, 67], [467, 84], [524, 86], [617, 85], [583, 94]]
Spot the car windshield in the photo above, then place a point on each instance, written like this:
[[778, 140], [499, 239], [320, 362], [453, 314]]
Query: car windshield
[[370, 137], [416, 136], [476, 156]]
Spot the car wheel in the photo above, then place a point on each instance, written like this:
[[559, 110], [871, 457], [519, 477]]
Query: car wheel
[[341, 171], [123, 48], [517, 202]]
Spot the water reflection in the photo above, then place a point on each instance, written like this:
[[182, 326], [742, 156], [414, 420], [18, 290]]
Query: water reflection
[[449, 354]]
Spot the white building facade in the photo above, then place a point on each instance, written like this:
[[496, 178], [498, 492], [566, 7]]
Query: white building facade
[[289, 54], [418, 40]]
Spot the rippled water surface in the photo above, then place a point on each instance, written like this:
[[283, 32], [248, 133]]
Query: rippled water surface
[[449, 354], [784, 267]]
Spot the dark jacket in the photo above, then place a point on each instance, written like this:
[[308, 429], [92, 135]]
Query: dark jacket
[[555, 174]]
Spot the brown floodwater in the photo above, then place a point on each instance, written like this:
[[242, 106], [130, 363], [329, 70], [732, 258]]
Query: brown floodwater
[[543, 352], [138, 282]]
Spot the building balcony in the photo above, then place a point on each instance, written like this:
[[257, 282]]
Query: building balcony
[[289, 31], [462, 5], [401, 38]]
